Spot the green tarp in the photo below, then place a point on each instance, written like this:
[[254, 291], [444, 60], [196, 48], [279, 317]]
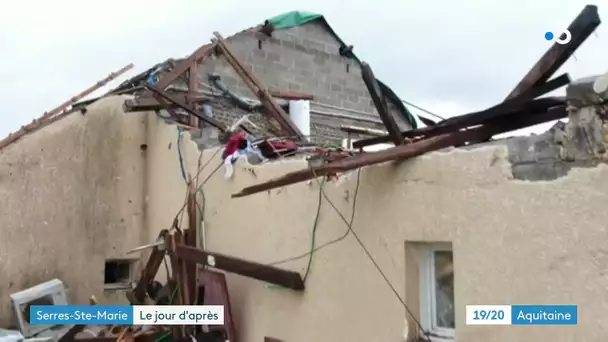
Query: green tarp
[[297, 18], [293, 18]]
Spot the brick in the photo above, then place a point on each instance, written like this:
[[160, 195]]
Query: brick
[[313, 45], [258, 54], [273, 56], [321, 58], [307, 73]]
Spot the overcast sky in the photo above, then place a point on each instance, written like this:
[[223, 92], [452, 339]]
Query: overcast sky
[[447, 56]]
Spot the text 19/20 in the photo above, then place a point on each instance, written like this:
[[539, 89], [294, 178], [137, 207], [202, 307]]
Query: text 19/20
[[488, 315]]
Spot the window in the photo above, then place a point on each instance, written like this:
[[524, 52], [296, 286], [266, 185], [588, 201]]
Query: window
[[437, 290], [118, 274]]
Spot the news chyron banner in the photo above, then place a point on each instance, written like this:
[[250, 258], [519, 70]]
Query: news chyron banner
[[521, 314], [127, 315]]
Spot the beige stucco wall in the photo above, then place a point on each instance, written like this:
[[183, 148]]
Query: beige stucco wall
[[515, 242], [71, 195]]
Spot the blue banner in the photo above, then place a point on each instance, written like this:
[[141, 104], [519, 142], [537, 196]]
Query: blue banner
[[73, 314], [544, 314]]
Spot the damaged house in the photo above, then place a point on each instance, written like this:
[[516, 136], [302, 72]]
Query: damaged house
[[319, 242]]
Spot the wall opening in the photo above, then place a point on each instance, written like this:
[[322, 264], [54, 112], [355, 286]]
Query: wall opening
[[434, 292], [118, 273]]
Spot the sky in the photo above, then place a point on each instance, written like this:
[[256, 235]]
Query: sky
[[449, 57]]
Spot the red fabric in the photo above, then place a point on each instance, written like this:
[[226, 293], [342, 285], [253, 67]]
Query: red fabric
[[233, 144]]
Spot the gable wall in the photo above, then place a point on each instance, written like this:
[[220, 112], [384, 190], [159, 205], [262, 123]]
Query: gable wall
[[303, 59]]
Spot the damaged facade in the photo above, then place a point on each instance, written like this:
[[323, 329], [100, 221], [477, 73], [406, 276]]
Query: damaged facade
[[512, 221]]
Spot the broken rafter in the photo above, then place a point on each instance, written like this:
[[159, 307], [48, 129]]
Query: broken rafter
[[414, 149], [87, 92], [540, 90], [185, 106], [380, 103], [269, 274], [476, 117], [148, 273], [185, 65], [534, 83], [191, 239], [60, 111], [504, 109], [258, 89], [580, 29]]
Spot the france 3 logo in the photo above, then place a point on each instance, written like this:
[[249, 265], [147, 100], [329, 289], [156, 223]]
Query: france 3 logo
[[562, 39]]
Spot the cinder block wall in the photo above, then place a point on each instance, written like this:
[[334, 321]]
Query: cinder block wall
[[303, 59]]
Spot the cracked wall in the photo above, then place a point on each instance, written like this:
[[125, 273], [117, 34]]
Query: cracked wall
[[580, 143], [525, 217]]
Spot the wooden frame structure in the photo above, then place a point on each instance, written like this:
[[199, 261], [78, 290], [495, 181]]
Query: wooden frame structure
[[519, 110]]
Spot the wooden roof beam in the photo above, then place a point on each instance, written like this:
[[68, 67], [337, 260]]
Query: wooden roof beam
[[380, 103], [414, 149], [580, 29], [475, 118], [258, 89]]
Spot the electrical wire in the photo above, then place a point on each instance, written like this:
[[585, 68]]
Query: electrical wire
[[314, 231], [349, 225], [180, 155], [181, 210], [422, 109]]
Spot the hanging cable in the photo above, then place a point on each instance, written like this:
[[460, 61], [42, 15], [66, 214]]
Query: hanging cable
[[349, 224], [314, 231], [180, 155], [422, 109]]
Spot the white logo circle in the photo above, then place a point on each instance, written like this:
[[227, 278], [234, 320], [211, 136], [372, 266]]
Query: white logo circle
[[557, 38]]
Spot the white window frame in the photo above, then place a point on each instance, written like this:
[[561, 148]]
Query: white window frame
[[347, 144], [428, 297]]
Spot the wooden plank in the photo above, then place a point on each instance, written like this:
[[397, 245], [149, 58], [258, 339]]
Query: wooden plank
[[258, 89], [380, 103], [216, 293], [193, 89], [580, 28], [503, 107], [291, 95], [148, 102], [269, 274], [87, 91], [182, 66], [148, 273], [467, 120], [59, 111], [414, 149], [188, 108], [191, 239]]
